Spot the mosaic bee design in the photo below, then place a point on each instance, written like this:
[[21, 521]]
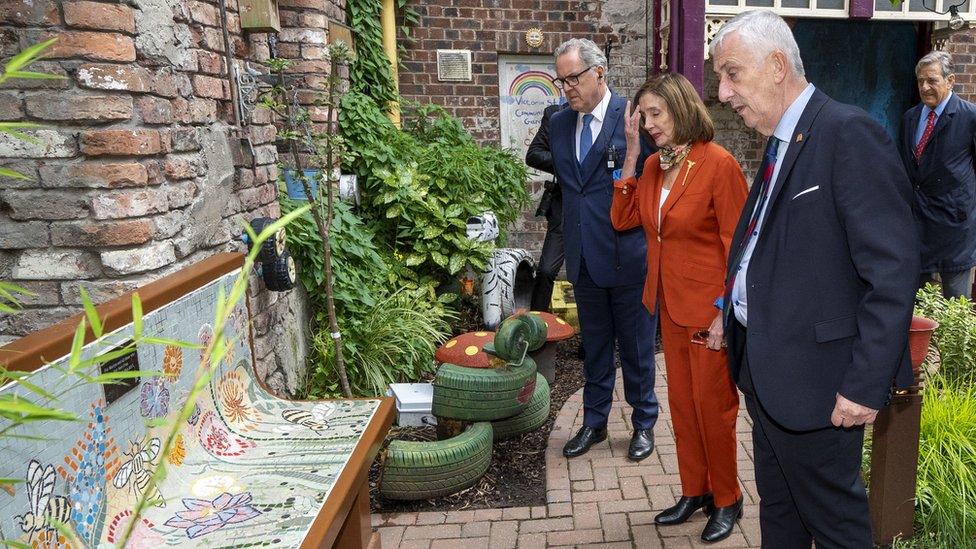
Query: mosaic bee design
[[46, 509]]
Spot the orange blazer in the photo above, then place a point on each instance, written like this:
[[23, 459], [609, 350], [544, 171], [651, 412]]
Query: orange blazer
[[687, 254]]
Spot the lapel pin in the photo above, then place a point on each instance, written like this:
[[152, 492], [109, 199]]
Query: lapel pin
[[799, 138]]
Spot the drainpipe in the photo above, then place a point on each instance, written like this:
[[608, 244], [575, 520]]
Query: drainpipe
[[388, 20]]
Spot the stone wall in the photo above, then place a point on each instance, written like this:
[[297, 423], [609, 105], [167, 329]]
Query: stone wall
[[138, 170], [492, 27]]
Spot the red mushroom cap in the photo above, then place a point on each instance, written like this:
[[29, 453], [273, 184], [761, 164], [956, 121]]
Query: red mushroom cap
[[557, 329], [466, 350]]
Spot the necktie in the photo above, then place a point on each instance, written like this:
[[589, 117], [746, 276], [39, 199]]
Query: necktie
[[586, 137], [765, 184], [929, 126]]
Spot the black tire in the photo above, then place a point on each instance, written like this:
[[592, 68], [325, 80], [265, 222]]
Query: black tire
[[474, 394], [273, 247], [280, 275], [423, 470], [534, 416]]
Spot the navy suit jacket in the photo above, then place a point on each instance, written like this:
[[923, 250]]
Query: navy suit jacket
[[612, 258], [945, 186], [832, 279]]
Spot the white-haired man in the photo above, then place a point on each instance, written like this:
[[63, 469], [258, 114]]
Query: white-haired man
[[937, 150], [822, 274], [607, 267]]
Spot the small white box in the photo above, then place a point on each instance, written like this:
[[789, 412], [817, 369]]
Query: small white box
[[413, 402]]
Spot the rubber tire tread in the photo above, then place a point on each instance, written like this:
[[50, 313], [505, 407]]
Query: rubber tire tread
[[534, 416], [423, 470], [480, 394]]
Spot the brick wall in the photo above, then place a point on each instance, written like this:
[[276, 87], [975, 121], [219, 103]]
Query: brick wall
[[492, 27], [962, 46], [138, 170]]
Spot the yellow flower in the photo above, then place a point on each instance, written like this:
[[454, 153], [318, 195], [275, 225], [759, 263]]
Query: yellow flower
[[172, 362], [177, 452]]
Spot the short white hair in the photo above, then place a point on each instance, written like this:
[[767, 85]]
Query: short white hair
[[937, 57], [589, 52], [763, 32]]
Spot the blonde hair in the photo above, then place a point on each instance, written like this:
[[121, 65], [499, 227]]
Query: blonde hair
[[691, 119]]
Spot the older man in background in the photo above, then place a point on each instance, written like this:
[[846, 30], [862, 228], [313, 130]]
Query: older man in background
[[821, 282], [937, 140]]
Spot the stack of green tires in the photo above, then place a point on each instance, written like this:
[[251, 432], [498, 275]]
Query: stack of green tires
[[499, 402]]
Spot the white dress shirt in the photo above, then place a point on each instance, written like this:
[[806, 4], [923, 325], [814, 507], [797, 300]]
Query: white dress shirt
[[783, 132], [596, 124]]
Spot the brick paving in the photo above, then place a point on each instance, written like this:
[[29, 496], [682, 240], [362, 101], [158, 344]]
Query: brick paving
[[599, 499]]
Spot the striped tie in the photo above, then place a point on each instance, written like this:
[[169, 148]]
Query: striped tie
[[765, 184]]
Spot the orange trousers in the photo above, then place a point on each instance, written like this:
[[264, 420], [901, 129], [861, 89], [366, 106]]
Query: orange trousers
[[704, 405]]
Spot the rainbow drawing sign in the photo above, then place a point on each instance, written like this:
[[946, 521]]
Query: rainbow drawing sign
[[525, 88]]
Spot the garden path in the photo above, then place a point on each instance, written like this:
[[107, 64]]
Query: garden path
[[599, 499]]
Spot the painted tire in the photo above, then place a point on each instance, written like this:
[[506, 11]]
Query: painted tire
[[423, 470], [474, 394], [515, 334], [273, 247], [533, 417], [506, 285], [281, 274]]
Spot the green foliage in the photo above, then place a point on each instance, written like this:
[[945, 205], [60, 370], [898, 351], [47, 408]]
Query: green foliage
[[946, 493], [370, 72], [956, 335], [423, 183], [392, 341]]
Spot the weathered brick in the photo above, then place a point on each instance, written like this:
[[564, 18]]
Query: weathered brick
[[138, 260], [94, 174], [23, 234], [45, 204], [99, 16], [26, 168], [45, 293], [10, 107], [103, 233], [155, 110], [94, 108], [95, 46], [113, 77], [45, 144], [181, 194], [120, 142], [129, 203], [29, 12], [55, 265], [31, 320], [164, 83], [210, 62], [203, 13], [99, 291], [184, 139], [181, 167], [208, 86], [303, 36], [168, 225]]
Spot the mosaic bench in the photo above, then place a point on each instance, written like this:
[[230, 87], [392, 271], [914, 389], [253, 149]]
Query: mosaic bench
[[247, 469]]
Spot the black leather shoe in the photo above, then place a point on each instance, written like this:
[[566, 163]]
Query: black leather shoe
[[719, 525], [641, 444], [585, 437], [685, 507]]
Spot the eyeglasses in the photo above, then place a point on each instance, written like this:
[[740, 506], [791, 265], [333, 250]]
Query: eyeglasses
[[571, 80]]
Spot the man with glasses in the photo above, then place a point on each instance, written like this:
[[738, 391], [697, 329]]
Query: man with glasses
[[607, 268]]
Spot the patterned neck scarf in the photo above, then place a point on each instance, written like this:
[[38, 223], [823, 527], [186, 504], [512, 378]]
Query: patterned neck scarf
[[673, 156]]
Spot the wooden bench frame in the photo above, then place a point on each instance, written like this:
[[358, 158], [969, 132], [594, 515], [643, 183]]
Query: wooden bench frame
[[344, 521]]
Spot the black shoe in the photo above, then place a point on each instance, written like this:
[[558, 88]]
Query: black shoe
[[641, 444], [720, 524], [685, 507], [585, 437]]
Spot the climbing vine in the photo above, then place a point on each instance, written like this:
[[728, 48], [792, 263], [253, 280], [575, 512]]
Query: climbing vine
[[370, 72]]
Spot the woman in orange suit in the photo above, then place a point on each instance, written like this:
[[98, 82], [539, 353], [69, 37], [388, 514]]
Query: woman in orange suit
[[688, 201]]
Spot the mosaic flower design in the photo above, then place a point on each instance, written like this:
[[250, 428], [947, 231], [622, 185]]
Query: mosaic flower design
[[236, 406], [86, 472], [50, 539], [172, 362], [154, 399], [142, 537], [204, 516], [178, 452], [216, 440], [204, 336], [211, 486]]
